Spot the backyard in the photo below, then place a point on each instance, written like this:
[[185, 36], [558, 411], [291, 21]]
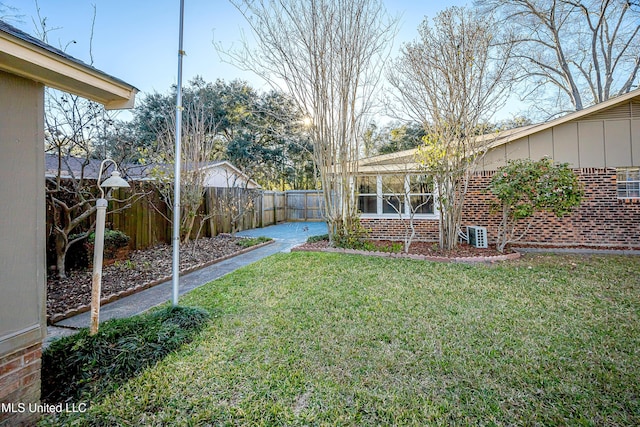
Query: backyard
[[333, 339]]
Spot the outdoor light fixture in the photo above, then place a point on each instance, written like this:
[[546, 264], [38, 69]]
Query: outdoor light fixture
[[114, 181]]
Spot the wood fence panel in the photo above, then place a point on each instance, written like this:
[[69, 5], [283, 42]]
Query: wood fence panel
[[146, 223]]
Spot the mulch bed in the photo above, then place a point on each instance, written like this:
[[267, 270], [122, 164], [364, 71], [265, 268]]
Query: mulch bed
[[423, 251], [139, 269]]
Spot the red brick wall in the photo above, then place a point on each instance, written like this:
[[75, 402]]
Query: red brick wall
[[395, 229], [20, 384], [601, 219]]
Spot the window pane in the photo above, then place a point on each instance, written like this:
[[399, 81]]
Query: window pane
[[392, 204], [368, 204], [622, 189], [422, 204], [367, 184], [628, 184], [420, 184], [393, 184]]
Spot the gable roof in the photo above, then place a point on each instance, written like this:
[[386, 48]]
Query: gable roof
[[24, 55], [405, 160]]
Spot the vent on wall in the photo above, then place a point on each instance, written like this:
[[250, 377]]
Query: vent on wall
[[477, 236], [635, 109], [622, 111]]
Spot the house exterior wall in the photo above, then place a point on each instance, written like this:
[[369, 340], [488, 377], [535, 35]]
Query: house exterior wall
[[605, 139], [601, 220], [22, 254], [223, 177], [594, 145]]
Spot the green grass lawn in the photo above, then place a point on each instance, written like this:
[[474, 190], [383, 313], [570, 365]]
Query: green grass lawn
[[329, 339]]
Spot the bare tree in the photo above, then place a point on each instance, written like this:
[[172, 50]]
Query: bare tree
[[74, 129], [9, 13], [73, 126], [328, 54], [199, 146], [587, 51], [233, 204], [407, 194], [451, 80]]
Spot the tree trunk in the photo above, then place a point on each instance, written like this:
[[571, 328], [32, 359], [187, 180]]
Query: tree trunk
[[61, 255], [503, 237]]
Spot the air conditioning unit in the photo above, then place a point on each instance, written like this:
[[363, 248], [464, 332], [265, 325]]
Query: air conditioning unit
[[477, 236]]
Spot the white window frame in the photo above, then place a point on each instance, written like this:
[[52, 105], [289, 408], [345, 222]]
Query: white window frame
[[628, 188], [406, 214]]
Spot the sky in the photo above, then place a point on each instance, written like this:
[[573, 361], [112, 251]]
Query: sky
[[137, 40]]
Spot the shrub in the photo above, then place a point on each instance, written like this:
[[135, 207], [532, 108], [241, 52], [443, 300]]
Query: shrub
[[253, 241], [77, 255], [354, 239], [320, 238], [113, 240], [84, 365], [524, 187]]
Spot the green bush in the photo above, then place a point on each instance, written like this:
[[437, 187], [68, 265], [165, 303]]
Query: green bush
[[320, 238], [252, 241], [524, 187], [355, 238], [86, 366], [113, 240]]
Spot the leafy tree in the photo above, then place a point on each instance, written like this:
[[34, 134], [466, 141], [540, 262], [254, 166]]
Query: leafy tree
[[399, 137], [271, 144], [451, 81], [579, 52], [524, 187], [259, 133]]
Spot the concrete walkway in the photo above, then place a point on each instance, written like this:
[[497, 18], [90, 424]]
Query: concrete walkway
[[286, 236]]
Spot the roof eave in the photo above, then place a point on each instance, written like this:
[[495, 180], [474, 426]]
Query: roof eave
[[29, 61]]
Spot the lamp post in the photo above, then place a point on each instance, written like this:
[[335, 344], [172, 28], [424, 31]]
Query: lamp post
[[114, 181]]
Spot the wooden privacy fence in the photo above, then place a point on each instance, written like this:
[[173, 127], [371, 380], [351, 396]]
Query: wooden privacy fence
[[224, 210], [292, 205]]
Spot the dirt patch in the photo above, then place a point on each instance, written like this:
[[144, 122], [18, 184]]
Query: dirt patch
[[139, 269]]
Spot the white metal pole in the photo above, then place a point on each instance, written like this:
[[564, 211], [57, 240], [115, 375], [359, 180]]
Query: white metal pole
[[98, 247], [175, 269]]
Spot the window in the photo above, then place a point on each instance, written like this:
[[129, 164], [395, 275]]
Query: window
[[393, 195], [421, 194], [368, 194], [628, 183]]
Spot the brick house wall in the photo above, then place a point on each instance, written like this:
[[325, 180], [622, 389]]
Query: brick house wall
[[20, 385], [601, 219]]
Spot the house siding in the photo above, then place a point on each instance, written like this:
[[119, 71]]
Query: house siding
[[22, 256], [601, 220], [606, 142]]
